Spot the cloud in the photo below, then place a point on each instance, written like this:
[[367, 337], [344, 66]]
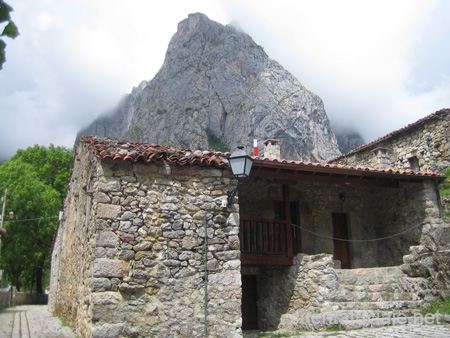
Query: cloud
[[356, 55], [45, 20], [378, 65]]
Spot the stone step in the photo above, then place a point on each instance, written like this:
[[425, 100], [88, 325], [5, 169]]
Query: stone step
[[377, 305], [344, 295], [379, 296], [394, 285], [357, 319], [370, 276], [386, 280], [391, 319], [384, 271], [408, 284]]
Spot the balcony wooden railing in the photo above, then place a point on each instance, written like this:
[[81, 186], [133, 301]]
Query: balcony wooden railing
[[265, 241]]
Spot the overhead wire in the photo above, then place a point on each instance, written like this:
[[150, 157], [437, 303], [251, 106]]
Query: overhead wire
[[359, 240], [30, 219]]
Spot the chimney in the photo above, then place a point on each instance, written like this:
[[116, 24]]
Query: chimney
[[272, 149], [381, 159]]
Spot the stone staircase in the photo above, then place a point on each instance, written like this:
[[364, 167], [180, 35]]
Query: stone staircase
[[373, 297]]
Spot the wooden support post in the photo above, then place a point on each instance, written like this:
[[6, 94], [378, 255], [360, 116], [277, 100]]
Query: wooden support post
[[287, 206]]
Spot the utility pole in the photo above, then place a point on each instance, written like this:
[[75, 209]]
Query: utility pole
[[3, 215]]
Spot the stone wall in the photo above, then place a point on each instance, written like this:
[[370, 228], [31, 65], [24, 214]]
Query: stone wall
[[22, 298], [9, 296], [372, 212], [275, 288], [129, 256], [286, 293], [428, 143], [5, 296], [73, 248], [314, 285], [431, 258]]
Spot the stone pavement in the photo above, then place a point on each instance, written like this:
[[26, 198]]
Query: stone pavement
[[399, 331], [31, 321], [35, 321]]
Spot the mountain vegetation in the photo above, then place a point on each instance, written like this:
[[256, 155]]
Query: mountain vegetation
[[444, 190]]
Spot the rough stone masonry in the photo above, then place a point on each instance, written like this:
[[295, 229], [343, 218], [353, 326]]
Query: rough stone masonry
[[133, 259]]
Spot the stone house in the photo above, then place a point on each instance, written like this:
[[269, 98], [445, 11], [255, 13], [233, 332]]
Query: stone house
[[420, 146], [146, 246]]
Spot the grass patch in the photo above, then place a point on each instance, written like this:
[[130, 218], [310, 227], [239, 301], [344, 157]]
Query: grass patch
[[443, 306], [335, 328], [275, 334], [270, 334], [216, 143], [444, 192], [64, 321]]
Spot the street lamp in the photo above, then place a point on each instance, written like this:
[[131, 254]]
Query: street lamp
[[240, 164]]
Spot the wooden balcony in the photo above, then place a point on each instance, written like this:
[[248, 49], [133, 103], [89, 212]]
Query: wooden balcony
[[265, 241]]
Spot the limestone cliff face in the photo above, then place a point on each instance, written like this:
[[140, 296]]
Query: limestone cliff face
[[216, 90], [347, 138]]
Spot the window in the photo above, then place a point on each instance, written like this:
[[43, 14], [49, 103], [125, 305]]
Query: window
[[414, 163]]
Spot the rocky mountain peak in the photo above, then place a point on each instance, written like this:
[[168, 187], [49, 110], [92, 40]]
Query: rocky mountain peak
[[218, 89], [197, 23], [348, 138]]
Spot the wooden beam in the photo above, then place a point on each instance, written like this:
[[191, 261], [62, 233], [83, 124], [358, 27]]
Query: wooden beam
[[330, 179], [321, 169], [266, 260]]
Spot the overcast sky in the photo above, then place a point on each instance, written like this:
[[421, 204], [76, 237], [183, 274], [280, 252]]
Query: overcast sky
[[377, 65]]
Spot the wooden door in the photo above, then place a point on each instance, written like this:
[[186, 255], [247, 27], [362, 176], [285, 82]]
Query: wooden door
[[249, 307], [341, 248]]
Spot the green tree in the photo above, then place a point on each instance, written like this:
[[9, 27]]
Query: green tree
[[52, 164], [10, 30], [36, 203], [444, 190]]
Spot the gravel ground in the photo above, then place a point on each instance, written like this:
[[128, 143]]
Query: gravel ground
[[32, 321]]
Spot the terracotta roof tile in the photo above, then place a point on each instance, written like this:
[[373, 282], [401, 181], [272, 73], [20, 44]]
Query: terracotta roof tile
[[340, 168], [394, 133], [106, 148]]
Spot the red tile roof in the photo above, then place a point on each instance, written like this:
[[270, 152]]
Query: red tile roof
[[394, 133], [106, 148], [136, 151], [344, 169]]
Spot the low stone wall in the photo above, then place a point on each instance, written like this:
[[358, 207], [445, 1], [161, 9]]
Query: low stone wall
[[432, 257], [315, 286], [9, 297], [275, 288], [5, 297], [23, 298]]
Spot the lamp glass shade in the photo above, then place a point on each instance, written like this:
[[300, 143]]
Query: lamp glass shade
[[240, 163]]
